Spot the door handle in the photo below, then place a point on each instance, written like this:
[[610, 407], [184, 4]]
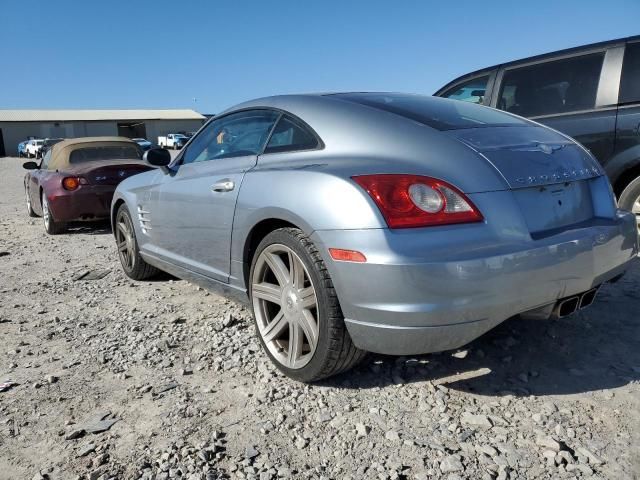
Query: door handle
[[225, 185]]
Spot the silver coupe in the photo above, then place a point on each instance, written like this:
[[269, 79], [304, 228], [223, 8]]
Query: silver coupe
[[381, 222]]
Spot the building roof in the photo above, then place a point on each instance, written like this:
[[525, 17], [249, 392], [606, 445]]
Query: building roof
[[89, 115]]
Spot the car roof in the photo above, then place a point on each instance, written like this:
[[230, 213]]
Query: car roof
[[61, 151], [555, 53]]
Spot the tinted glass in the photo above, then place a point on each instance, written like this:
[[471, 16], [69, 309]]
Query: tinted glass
[[560, 86], [45, 160], [290, 136], [438, 113], [471, 91], [630, 83], [235, 135], [115, 152]]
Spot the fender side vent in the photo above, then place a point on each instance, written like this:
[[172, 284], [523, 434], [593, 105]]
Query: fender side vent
[[144, 217]]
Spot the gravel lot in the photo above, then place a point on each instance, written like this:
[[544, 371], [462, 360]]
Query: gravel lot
[[161, 379]]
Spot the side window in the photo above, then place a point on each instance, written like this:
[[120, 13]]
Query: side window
[[630, 82], [290, 136], [45, 160], [470, 91], [558, 86], [235, 135]]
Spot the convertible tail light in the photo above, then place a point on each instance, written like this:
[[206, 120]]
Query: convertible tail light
[[409, 201], [72, 183]]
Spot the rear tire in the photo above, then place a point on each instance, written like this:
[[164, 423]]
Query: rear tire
[[298, 304], [128, 252], [51, 226], [630, 198]]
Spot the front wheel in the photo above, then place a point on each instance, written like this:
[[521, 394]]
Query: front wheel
[[51, 226], [30, 211], [630, 199], [296, 310], [132, 263]]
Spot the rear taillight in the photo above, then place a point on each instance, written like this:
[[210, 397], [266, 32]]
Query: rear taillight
[[72, 183], [409, 201]]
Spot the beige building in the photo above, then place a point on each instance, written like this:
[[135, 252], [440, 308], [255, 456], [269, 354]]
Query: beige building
[[18, 125]]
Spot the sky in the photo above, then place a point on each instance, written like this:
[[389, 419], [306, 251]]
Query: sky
[[209, 55]]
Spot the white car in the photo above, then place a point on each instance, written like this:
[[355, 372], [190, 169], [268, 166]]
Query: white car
[[33, 148], [173, 140]]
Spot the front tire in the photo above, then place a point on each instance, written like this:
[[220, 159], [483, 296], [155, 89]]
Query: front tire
[[30, 211], [630, 199], [296, 310], [132, 263], [51, 226]]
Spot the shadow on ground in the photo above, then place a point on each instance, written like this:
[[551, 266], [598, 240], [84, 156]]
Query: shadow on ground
[[89, 228], [596, 349]]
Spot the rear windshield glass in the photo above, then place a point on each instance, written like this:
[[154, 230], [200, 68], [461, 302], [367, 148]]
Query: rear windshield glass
[[116, 152], [438, 113]]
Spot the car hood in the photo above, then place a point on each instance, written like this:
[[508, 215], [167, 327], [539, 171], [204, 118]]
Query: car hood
[[529, 156]]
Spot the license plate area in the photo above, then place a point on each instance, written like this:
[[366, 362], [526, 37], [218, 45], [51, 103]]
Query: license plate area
[[551, 207]]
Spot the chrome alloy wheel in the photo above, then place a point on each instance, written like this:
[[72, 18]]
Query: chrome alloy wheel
[[285, 306], [46, 214], [636, 211], [29, 209], [125, 242]]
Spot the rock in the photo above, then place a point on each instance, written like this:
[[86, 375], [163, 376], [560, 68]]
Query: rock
[[300, 443], [451, 464], [77, 433], [592, 457], [251, 452], [52, 379], [228, 320], [392, 436], [479, 422], [548, 443], [101, 426], [362, 430], [86, 450]]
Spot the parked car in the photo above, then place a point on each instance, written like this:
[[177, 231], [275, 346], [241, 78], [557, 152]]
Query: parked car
[[47, 143], [173, 140], [591, 93], [391, 223], [143, 143], [33, 147], [77, 177], [22, 148]]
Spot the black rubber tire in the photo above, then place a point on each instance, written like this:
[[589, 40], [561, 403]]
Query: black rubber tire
[[141, 270], [335, 352], [52, 227], [30, 211]]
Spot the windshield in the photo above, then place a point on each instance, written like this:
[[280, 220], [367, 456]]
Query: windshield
[[438, 113], [115, 152]]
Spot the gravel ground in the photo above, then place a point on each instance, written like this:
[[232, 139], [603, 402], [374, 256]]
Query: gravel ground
[[161, 379]]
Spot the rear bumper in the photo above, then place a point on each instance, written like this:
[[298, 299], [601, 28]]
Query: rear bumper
[[89, 202], [423, 291]]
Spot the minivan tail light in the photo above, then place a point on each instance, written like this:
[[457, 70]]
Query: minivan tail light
[[411, 201]]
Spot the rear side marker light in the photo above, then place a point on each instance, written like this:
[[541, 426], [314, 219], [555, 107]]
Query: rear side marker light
[[341, 255], [410, 201]]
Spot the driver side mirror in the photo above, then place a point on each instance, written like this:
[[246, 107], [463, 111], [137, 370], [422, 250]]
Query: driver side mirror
[[30, 166], [157, 157]]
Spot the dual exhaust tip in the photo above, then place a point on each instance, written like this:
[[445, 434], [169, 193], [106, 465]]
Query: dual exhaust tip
[[570, 305]]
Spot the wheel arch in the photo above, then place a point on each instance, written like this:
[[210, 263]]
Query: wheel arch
[[623, 168]]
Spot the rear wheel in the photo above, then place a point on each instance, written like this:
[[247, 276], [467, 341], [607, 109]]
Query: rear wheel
[[30, 211], [630, 199], [297, 315], [132, 263], [51, 226]]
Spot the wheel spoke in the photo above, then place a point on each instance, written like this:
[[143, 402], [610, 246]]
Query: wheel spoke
[[278, 268], [122, 246], [310, 328], [308, 297], [275, 327], [295, 344], [268, 291], [297, 270]]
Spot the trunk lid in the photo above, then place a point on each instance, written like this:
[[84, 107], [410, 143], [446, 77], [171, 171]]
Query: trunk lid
[[551, 177], [110, 172], [529, 156]]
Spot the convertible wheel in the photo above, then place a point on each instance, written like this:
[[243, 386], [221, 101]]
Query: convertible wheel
[[296, 310], [630, 199], [51, 226], [30, 211], [132, 263]]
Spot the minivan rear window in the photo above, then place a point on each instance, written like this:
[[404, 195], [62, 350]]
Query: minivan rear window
[[438, 113]]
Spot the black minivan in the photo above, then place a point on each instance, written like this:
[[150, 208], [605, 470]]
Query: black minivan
[[590, 93]]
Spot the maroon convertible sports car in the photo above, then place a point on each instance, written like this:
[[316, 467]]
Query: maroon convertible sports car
[[77, 177]]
